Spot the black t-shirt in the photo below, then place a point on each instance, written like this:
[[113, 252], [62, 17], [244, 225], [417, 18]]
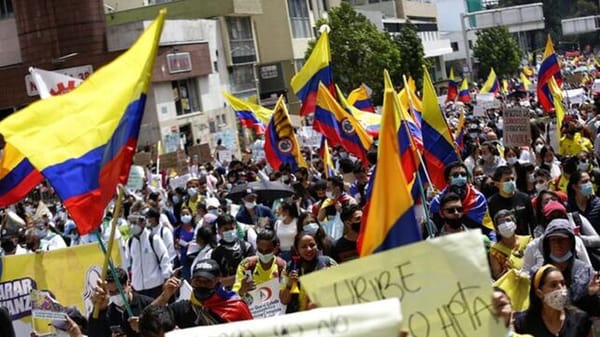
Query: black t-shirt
[[520, 204], [577, 324], [344, 250]]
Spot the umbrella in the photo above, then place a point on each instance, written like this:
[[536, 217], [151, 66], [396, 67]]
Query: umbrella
[[265, 190]]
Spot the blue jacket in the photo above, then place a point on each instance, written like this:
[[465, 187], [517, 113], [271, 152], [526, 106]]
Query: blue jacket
[[261, 211]]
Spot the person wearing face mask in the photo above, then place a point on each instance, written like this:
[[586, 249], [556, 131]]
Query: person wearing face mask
[[548, 314], [542, 180], [193, 194], [184, 236], [508, 197], [48, 240], [210, 303], [286, 228], [525, 174], [490, 158], [204, 245], [508, 252], [572, 141], [262, 267], [581, 198], [254, 214], [473, 202], [337, 198], [157, 228], [308, 223], [345, 247], [586, 164], [146, 257], [107, 298], [231, 249]]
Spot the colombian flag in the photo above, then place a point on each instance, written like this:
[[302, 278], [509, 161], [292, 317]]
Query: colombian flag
[[360, 98], [317, 69], [326, 157], [557, 96], [452, 88], [491, 85], [437, 139], [388, 219], [83, 142], [369, 121], [281, 145], [245, 113], [17, 176], [459, 134], [464, 95], [548, 69], [340, 127]]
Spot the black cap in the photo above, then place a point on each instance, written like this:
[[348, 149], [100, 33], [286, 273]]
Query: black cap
[[207, 269]]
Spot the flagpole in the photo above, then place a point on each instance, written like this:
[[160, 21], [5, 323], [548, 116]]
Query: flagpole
[[111, 238], [113, 272]]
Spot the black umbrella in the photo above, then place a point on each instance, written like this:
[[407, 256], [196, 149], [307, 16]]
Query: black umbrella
[[265, 190]]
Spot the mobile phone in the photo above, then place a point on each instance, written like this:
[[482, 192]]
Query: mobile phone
[[117, 330]]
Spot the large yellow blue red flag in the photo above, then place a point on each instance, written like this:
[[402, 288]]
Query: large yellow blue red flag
[[548, 69], [317, 69], [452, 87], [83, 142], [361, 99], [463, 94], [491, 85], [245, 113], [388, 219], [340, 127], [437, 139], [17, 176], [281, 145]]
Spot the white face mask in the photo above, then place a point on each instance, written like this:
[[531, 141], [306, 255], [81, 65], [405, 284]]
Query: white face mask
[[265, 258], [229, 236], [511, 160], [136, 229], [556, 299], [541, 187], [311, 228], [538, 148], [531, 178], [249, 205], [329, 194], [117, 300], [186, 219], [507, 229]]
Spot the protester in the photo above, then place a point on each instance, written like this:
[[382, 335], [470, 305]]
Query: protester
[[307, 222], [205, 244], [286, 228], [345, 247], [165, 233], [508, 252], [156, 320], [254, 214], [230, 251], [47, 239], [451, 214], [582, 198], [184, 235]]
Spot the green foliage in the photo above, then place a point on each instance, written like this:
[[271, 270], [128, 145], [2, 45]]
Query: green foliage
[[359, 51], [496, 48], [411, 49]]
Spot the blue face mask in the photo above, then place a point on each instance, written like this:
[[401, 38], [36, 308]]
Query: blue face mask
[[230, 236], [509, 187], [587, 189], [458, 181], [561, 259]]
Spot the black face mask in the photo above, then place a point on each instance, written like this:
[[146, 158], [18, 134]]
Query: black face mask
[[203, 293], [454, 223], [355, 226]]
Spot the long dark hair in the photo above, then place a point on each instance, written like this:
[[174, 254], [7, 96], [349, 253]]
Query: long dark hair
[[573, 180], [539, 210], [320, 235], [535, 303]]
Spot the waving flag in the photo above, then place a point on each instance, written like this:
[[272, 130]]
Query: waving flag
[[281, 145], [50, 83], [505, 86], [245, 113], [452, 88], [340, 127], [83, 142], [369, 121], [317, 69], [548, 69], [437, 139], [361, 99], [557, 96], [459, 134], [491, 85], [464, 95], [17, 176], [392, 222], [526, 82], [326, 157]]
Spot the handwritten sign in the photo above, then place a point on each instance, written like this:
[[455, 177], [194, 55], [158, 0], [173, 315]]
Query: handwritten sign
[[443, 284], [174, 160], [517, 131], [142, 158], [135, 182], [380, 318], [264, 300]]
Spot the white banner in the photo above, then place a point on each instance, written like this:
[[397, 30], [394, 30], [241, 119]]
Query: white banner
[[381, 318], [307, 136], [264, 300], [50, 83]]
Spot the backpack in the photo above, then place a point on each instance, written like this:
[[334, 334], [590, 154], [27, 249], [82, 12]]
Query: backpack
[[151, 238], [593, 253]]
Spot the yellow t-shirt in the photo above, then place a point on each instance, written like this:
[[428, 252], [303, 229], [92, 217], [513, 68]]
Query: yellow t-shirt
[[259, 275], [571, 147]]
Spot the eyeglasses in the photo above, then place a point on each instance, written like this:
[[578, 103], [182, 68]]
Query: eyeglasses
[[459, 174], [453, 209]]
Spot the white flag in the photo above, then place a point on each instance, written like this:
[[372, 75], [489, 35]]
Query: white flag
[[50, 83]]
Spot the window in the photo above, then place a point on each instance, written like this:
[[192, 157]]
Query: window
[[242, 78], [241, 40], [6, 9], [470, 44], [298, 64], [185, 96], [212, 126], [454, 46], [299, 19]]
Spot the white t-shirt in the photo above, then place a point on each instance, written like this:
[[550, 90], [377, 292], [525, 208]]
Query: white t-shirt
[[286, 234]]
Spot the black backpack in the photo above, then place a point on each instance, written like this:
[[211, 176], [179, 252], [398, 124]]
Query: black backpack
[[151, 238]]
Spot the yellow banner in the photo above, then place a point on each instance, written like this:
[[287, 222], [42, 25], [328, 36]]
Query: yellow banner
[[69, 274], [444, 286]]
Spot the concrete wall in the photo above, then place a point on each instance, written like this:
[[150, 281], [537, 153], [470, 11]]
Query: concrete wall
[[413, 8], [273, 32], [10, 50]]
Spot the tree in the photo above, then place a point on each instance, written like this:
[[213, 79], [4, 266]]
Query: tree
[[359, 52], [496, 48], [412, 52]]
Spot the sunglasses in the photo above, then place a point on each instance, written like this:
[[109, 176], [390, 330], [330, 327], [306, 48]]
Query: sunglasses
[[453, 209], [459, 174]]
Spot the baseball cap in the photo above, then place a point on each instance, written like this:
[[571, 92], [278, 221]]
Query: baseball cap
[[207, 268], [554, 206]]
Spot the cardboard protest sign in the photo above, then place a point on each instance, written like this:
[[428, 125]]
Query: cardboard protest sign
[[443, 284], [174, 160], [142, 158], [135, 182], [517, 131], [200, 153], [382, 318], [264, 300]]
